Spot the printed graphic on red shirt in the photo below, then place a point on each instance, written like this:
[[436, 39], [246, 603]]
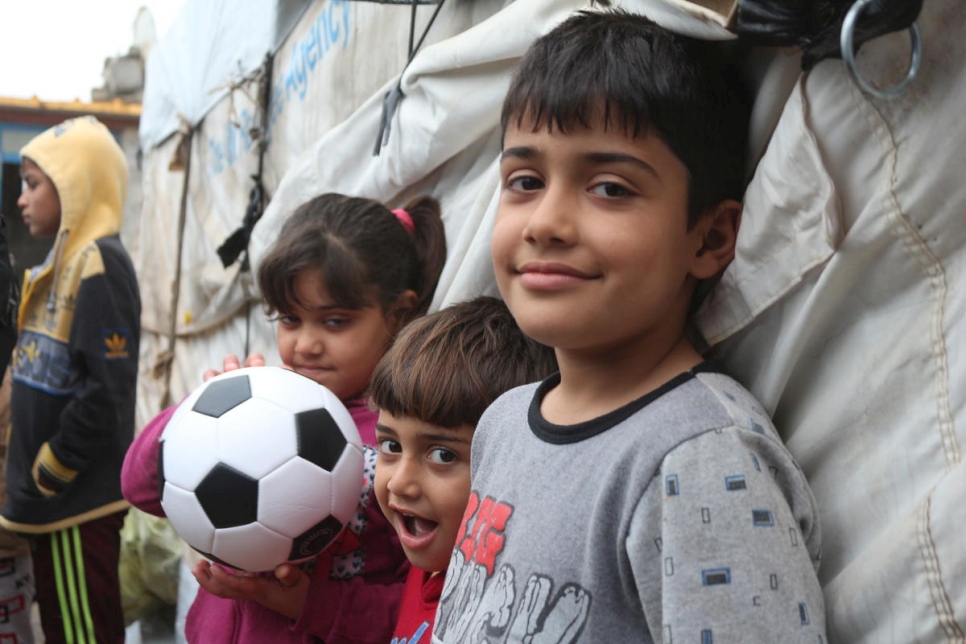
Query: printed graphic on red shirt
[[481, 600], [421, 636]]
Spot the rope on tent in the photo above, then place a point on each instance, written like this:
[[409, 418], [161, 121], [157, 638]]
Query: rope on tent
[[237, 243], [181, 161], [391, 100]]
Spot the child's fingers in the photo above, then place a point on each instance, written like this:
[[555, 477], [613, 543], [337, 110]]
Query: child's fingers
[[225, 584], [230, 363], [220, 575], [201, 571], [255, 360], [290, 590], [288, 576]]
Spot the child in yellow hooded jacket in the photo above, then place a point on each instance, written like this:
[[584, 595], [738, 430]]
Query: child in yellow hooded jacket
[[74, 373]]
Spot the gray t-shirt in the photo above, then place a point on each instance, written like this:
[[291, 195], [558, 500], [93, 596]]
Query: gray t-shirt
[[680, 517]]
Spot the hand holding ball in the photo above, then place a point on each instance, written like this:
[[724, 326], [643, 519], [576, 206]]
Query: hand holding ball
[[260, 466]]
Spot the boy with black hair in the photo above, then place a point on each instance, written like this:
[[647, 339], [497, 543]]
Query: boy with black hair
[[639, 495]]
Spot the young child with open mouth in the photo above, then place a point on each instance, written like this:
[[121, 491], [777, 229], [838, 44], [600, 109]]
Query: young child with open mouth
[[430, 389]]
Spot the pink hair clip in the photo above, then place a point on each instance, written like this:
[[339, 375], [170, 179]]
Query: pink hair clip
[[405, 219]]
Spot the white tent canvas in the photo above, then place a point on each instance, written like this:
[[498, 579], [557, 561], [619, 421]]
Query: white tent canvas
[[841, 312]]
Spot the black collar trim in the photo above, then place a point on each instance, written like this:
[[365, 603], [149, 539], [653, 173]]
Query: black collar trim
[[564, 434]]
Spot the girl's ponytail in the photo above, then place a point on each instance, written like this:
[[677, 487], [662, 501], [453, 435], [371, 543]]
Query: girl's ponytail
[[429, 238]]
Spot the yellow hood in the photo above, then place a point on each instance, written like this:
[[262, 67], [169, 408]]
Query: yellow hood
[[88, 168]]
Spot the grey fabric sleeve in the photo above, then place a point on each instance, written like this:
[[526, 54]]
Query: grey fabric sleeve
[[718, 545]]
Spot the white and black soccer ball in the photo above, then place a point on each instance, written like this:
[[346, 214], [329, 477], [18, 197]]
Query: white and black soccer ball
[[260, 466]]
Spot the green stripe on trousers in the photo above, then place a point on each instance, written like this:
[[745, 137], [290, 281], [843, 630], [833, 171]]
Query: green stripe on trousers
[[75, 611]]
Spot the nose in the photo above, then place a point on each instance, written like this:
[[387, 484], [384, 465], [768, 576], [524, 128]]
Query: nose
[[309, 343], [404, 478], [552, 220], [22, 200]]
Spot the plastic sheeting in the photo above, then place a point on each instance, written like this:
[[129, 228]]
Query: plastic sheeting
[[189, 69]]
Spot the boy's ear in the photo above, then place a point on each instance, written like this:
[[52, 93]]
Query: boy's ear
[[718, 233]]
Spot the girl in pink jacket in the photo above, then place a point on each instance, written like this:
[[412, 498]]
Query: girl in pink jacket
[[343, 277]]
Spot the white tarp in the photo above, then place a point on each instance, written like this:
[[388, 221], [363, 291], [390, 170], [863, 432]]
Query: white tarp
[[212, 43], [334, 58], [842, 311]]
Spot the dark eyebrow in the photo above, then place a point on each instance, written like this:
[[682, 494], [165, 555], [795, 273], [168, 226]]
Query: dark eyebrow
[[323, 308], [439, 437], [527, 152], [617, 157], [292, 306], [384, 428], [446, 438], [520, 152]]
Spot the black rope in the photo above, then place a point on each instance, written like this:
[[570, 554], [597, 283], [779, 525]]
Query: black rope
[[412, 28], [390, 102], [237, 243]]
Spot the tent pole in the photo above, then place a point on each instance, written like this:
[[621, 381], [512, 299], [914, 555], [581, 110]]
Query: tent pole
[[185, 154]]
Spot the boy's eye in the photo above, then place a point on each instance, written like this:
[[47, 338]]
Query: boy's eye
[[388, 446], [442, 456], [524, 184], [288, 320], [610, 190]]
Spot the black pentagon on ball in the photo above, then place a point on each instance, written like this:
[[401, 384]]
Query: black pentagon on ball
[[228, 497], [315, 539], [223, 395], [320, 440]]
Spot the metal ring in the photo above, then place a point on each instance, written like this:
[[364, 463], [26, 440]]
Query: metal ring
[[847, 42]]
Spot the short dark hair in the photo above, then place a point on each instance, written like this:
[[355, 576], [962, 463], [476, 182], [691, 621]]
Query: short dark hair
[[645, 79], [362, 252], [446, 368]]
